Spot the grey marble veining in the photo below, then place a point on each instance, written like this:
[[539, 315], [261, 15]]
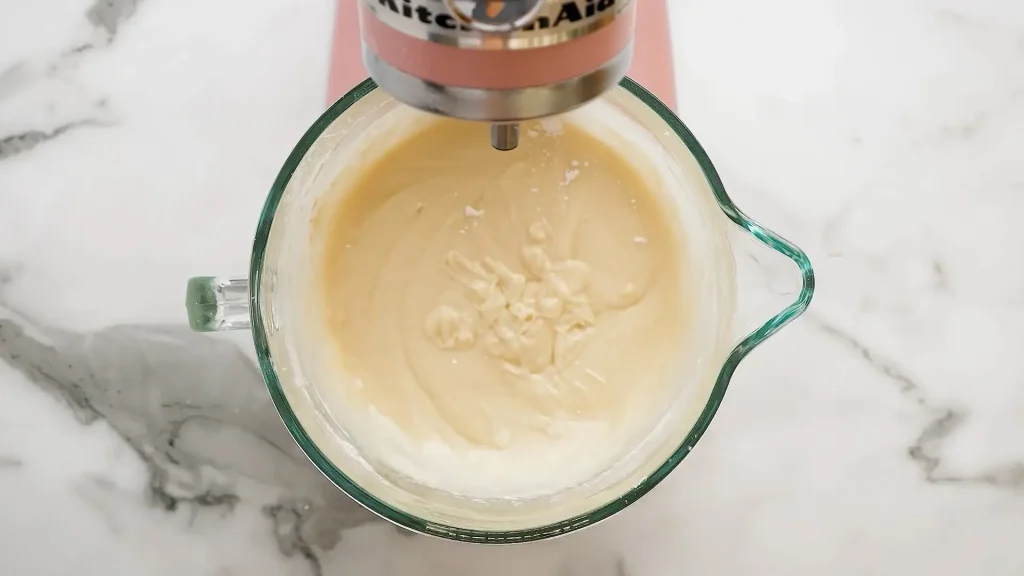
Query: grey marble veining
[[943, 421], [25, 141], [108, 15], [186, 403]]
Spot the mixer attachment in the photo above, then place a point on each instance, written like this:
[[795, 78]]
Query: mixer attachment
[[505, 137]]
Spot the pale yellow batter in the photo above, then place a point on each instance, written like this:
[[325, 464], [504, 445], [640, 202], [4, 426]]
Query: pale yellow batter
[[504, 302]]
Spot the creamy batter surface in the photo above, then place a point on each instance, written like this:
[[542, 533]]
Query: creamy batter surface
[[506, 322]]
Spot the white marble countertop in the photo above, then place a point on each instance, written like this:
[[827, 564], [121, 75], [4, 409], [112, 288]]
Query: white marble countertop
[[882, 433]]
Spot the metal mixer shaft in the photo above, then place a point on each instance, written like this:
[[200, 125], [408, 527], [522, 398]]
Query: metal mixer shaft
[[505, 137]]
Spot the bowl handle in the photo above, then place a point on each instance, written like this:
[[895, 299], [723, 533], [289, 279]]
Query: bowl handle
[[217, 303]]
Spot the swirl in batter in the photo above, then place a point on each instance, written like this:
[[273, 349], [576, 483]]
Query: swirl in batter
[[526, 305]]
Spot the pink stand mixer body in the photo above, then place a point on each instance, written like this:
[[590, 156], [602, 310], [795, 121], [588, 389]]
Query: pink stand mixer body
[[501, 62]]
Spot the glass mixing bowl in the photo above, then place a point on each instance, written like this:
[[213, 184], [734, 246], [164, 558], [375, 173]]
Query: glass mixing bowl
[[750, 283]]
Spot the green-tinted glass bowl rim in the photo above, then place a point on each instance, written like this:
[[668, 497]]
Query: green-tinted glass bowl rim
[[600, 513]]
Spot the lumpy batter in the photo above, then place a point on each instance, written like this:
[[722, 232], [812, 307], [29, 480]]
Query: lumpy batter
[[515, 311]]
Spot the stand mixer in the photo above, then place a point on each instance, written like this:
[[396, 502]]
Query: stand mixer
[[501, 62], [474, 61]]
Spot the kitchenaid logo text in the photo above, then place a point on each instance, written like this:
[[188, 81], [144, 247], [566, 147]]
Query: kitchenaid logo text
[[558, 14]]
